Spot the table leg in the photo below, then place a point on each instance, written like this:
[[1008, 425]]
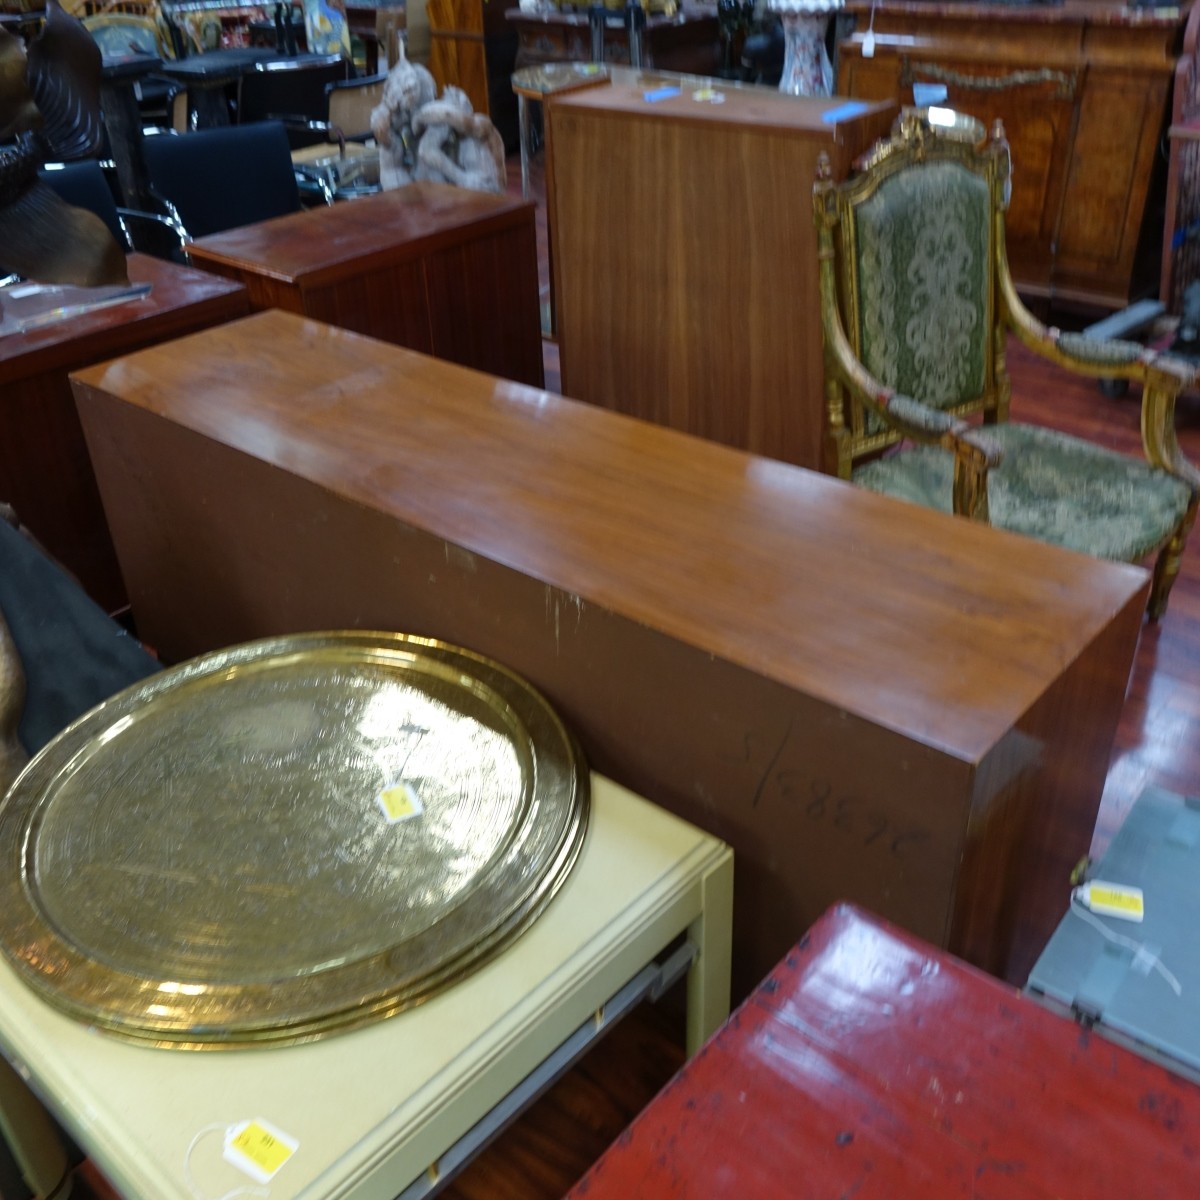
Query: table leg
[[207, 104], [118, 103], [525, 120], [712, 935], [31, 1135]]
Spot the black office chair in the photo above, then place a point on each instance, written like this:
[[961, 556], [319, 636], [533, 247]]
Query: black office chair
[[349, 104], [215, 179], [293, 91], [84, 184]]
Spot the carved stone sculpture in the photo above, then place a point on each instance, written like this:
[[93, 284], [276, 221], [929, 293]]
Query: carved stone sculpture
[[409, 86], [458, 145], [421, 137]]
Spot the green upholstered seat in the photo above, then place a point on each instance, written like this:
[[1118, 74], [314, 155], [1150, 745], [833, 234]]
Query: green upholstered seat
[[1052, 487], [917, 303]]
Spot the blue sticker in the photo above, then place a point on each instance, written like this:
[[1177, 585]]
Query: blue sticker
[[662, 93], [843, 112]]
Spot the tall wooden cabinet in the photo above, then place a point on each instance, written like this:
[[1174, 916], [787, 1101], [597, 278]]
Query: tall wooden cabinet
[[1083, 89], [685, 259]]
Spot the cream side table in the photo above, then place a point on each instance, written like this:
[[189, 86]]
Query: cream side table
[[376, 1109]]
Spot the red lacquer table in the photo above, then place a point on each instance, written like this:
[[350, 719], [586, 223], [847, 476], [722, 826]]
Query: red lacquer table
[[869, 1064]]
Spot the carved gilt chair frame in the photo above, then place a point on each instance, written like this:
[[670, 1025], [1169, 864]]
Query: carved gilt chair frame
[[865, 417]]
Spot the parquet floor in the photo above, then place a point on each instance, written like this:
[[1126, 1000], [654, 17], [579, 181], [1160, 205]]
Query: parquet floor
[[1158, 742]]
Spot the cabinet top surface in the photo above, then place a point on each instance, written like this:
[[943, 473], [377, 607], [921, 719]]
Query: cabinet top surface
[[933, 626], [1067, 12], [175, 291], [861, 1018], [692, 100], [392, 225]]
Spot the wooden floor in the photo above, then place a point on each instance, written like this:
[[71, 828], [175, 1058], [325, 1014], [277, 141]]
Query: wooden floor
[[1158, 743]]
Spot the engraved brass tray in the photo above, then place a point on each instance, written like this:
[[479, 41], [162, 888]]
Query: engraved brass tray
[[287, 838]]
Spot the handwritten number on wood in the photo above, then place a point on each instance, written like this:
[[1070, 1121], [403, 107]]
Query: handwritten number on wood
[[849, 815]]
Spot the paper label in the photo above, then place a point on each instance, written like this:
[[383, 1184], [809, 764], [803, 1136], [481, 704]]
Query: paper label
[[399, 802], [259, 1149]]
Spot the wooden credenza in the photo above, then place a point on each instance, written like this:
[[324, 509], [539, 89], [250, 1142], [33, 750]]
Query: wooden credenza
[[45, 473], [1083, 89], [444, 270], [685, 260], [865, 699]]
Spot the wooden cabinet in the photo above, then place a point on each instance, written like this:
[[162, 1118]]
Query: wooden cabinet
[[445, 270], [45, 473], [1082, 89], [865, 699], [685, 259]]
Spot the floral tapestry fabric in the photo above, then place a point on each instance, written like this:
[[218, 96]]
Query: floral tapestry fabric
[[923, 268], [1049, 486]]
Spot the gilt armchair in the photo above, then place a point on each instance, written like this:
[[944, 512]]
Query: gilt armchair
[[916, 306]]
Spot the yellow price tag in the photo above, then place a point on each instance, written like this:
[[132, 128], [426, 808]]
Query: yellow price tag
[[399, 802], [1118, 901], [259, 1149]]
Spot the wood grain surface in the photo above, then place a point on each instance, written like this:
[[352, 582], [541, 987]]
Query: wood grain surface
[[684, 258], [45, 472], [1082, 88], [441, 269], [862, 697]]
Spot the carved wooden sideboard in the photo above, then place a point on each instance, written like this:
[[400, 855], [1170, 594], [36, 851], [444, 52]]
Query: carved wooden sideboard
[[1083, 89]]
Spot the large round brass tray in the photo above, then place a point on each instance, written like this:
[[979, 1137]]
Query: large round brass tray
[[286, 838]]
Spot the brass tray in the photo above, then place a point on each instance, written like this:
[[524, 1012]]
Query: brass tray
[[286, 838]]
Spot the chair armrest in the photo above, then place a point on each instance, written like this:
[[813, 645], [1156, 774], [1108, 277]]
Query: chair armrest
[[924, 423], [160, 235], [313, 184], [1162, 376], [974, 452]]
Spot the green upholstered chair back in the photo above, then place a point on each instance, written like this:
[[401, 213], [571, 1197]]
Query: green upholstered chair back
[[922, 239], [914, 234]]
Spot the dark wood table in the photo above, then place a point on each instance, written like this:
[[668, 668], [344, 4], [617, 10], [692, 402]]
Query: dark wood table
[[688, 42], [864, 698], [440, 269], [869, 1064], [209, 78], [45, 472]]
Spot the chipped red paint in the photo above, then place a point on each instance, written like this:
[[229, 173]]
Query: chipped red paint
[[870, 1065]]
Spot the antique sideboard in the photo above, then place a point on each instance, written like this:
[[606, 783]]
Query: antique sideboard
[[1083, 88]]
